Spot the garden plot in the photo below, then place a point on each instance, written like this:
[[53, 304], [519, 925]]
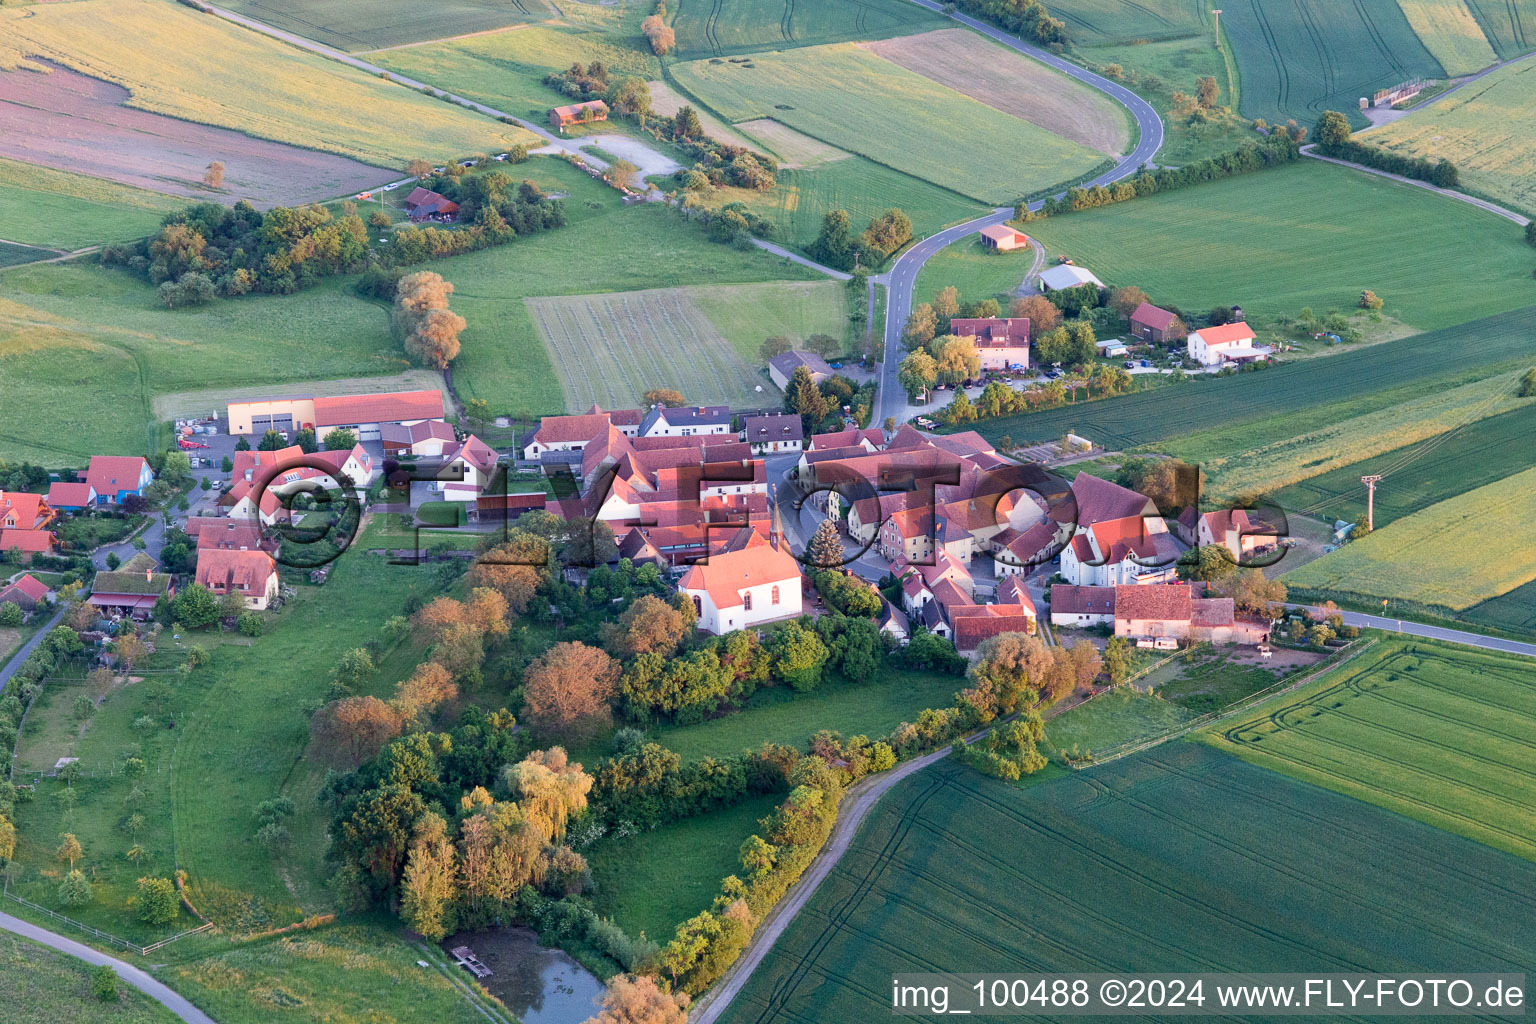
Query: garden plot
[[610, 349]]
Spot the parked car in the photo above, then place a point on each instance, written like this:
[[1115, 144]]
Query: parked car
[[1129, 365], [1052, 374]]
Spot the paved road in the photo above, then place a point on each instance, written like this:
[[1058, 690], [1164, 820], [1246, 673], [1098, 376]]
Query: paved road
[[891, 400], [793, 257], [1449, 193], [127, 972], [1458, 636], [153, 537], [27, 648]]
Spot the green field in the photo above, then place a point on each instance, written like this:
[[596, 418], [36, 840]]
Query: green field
[[747, 313], [1451, 33], [1121, 715], [976, 271], [1179, 859], [718, 28], [1420, 475], [41, 206], [652, 882], [1469, 548], [1251, 409], [356, 25], [1510, 25], [1105, 22], [1437, 732], [12, 255], [1303, 235], [1483, 129], [1514, 611], [39, 985], [1301, 57], [893, 116]]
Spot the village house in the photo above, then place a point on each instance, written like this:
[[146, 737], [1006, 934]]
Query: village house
[[1002, 238], [27, 593], [751, 581], [1119, 538], [561, 118], [497, 508], [132, 589], [782, 367], [1156, 326], [1002, 342], [230, 533], [115, 477], [572, 433], [426, 439], [1229, 343], [70, 497], [251, 574], [687, 421], [424, 204], [1012, 611], [1180, 610], [1082, 606], [780, 432], [1233, 529], [871, 439], [24, 521], [466, 469], [262, 479]]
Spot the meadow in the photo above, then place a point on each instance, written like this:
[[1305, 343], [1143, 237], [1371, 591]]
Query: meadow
[[42, 206], [712, 27], [234, 78], [1420, 475], [360, 25], [39, 985], [1106, 22], [1250, 409], [889, 114], [1121, 715], [1193, 860], [1484, 128], [1437, 732], [1311, 466], [1454, 554], [1301, 57], [975, 270], [1451, 34], [1303, 235], [13, 255], [745, 314], [1510, 25], [652, 882]]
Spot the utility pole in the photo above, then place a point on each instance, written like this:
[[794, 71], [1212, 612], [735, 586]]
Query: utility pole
[[1370, 501], [1216, 23]]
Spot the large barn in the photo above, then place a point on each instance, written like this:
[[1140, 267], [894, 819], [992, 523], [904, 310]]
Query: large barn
[[364, 414]]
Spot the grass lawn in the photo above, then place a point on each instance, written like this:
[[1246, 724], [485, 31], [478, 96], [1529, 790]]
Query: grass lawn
[[1121, 715], [746, 314], [977, 272], [39, 985], [654, 881], [780, 715], [889, 114], [1303, 235], [1437, 732], [1179, 859], [41, 206], [234, 78]]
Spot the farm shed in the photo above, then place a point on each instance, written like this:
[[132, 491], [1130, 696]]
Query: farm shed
[[429, 437], [1154, 324], [26, 593], [1066, 275], [133, 589], [424, 204], [561, 118], [783, 366], [1003, 238], [1111, 348], [365, 414]]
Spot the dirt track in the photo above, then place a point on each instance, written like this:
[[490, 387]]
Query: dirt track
[[77, 123]]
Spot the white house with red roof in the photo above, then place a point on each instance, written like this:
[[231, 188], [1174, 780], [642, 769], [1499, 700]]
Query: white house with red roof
[[753, 580], [115, 477], [1236, 531], [262, 478], [1228, 343], [249, 573], [1001, 342], [573, 433], [1119, 538]]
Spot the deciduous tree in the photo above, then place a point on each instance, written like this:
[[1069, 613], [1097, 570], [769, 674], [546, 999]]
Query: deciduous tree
[[355, 727], [566, 690], [425, 690], [213, 177], [428, 889], [157, 900], [638, 999], [1042, 313], [650, 624]]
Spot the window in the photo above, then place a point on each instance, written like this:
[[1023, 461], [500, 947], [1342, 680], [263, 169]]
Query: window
[[698, 606], [746, 601], [774, 599]]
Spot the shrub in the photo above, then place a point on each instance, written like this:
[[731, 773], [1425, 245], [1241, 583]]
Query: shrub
[[104, 983]]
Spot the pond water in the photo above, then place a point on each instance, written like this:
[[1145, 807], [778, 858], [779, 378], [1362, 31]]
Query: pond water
[[539, 985]]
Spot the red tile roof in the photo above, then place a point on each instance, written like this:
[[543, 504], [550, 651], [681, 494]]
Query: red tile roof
[[751, 561], [1155, 317], [993, 332], [1069, 600], [28, 510], [1099, 499], [1159, 602], [30, 585], [1226, 334], [971, 630], [109, 474], [1212, 611], [232, 533], [388, 407], [220, 569], [63, 494], [570, 429], [28, 542]]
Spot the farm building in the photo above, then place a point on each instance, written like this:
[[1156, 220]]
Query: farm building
[[777, 433], [1176, 610], [1003, 238], [561, 118], [1002, 342], [1111, 348], [363, 414], [115, 477], [687, 421], [1229, 343], [572, 433], [782, 367], [68, 497], [1082, 606], [753, 580], [1066, 275], [496, 508], [466, 469], [424, 204], [132, 590], [1242, 535], [427, 438], [251, 574], [26, 593], [1156, 325]]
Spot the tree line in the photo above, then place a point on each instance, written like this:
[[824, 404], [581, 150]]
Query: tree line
[[1335, 139]]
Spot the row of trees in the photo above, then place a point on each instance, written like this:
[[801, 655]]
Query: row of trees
[[1026, 18], [1335, 139]]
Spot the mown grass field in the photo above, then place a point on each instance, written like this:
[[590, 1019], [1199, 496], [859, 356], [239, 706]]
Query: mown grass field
[[1420, 475], [355, 25], [1180, 859], [711, 27], [1484, 128], [1303, 235], [1122, 715], [1454, 554], [1311, 466], [1451, 34], [651, 882], [889, 114], [41, 206], [41, 986], [1301, 57], [1510, 25], [1437, 732], [234, 78], [745, 314], [976, 271], [1104, 22], [1242, 412]]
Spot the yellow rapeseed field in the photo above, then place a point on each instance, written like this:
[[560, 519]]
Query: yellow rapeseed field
[[195, 66], [1485, 129], [1454, 554], [1449, 31]]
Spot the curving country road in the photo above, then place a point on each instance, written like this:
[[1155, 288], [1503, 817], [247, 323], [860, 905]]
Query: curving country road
[[890, 400]]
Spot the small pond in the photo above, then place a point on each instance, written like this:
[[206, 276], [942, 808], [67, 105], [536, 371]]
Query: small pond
[[539, 985]]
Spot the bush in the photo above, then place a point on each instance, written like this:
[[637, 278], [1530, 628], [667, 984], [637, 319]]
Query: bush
[[251, 624], [157, 900], [104, 983]]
